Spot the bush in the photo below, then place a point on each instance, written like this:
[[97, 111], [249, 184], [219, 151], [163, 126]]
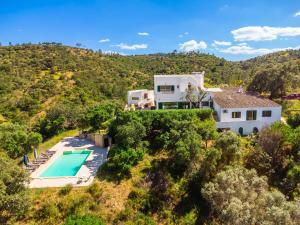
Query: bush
[[65, 190], [84, 220], [95, 190], [48, 211], [239, 196], [14, 201], [294, 120], [122, 160], [130, 135], [16, 140], [98, 116]]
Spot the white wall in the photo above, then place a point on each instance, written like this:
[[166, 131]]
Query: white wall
[[226, 120], [180, 83], [140, 94]]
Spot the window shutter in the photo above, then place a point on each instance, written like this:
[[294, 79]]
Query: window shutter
[[158, 88], [254, 115], [172, 88]]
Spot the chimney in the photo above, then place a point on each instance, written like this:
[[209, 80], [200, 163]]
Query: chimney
[[200, 76]]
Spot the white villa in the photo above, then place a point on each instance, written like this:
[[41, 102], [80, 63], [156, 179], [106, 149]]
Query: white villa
[[235, 110], [141, 98]]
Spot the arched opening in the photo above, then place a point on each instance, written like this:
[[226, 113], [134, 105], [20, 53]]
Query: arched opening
[[241, 131], [255, 130]]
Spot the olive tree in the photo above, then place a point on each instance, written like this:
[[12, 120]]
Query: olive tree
[[13, 195], [239, 196]]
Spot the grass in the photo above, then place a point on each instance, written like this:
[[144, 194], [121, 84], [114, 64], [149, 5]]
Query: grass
[[53, 141], [104, 198], [289, 106]]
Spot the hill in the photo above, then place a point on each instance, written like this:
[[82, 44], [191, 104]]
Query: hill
[[35, 78]]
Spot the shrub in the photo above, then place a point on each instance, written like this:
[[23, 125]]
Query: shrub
[[48, 211], [239, 196], [294, 120], [95, 190], [229, 143], [83, 220], [98, 116], [65, 190], [121, 159], [131, 134], [14, 201], [16, 140]]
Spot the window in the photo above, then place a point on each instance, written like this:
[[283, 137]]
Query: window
[[145, 95], [225, 111], [251, 115], [205, 103], [165, 88], [236, 114], [170, 105], [135, 98], [267, 113]]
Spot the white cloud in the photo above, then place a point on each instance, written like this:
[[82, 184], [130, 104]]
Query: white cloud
[[297, 14], [104, 40], [222, 43], [244, 49], [184, 34], [143, 33], [264, 33], [131, 47], [192, 45]]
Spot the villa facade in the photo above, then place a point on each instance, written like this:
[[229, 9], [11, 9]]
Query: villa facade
[[234, 109], [143, 99]]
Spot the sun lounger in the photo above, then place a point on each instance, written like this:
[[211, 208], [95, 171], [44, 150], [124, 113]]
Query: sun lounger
[[43, 155], [50, 152], [38, 162]]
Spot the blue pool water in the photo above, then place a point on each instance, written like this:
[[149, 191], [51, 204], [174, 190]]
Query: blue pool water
[[66, 164]]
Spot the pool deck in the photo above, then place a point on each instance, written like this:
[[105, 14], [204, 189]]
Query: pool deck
[[86, 173]]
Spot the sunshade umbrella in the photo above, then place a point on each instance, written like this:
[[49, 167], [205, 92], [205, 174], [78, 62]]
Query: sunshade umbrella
[[35, 153], [25, 160]]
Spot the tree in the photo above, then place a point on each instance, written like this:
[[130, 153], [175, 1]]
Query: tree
[[183, 143], [16, 141], [229, 143], [294, 120], [130, 134], [261, 161], [239, 196], [14, 201], [207, 130], [33, 140], [99, 116], [271, 141], [194, 95], [122, 159]]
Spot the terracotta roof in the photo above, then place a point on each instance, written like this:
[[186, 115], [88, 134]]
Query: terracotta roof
[[231, 98]]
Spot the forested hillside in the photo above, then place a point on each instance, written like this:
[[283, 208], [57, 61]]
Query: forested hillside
[[35, 78], [165, 166]]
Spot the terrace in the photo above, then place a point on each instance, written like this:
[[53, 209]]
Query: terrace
[[85, 170]]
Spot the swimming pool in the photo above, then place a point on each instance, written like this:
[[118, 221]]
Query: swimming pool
[[67, 164]]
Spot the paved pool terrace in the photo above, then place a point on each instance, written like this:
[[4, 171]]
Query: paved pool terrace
[[86, 173]]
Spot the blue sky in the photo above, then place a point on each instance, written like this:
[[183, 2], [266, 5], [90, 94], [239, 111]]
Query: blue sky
[[235, 29]]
